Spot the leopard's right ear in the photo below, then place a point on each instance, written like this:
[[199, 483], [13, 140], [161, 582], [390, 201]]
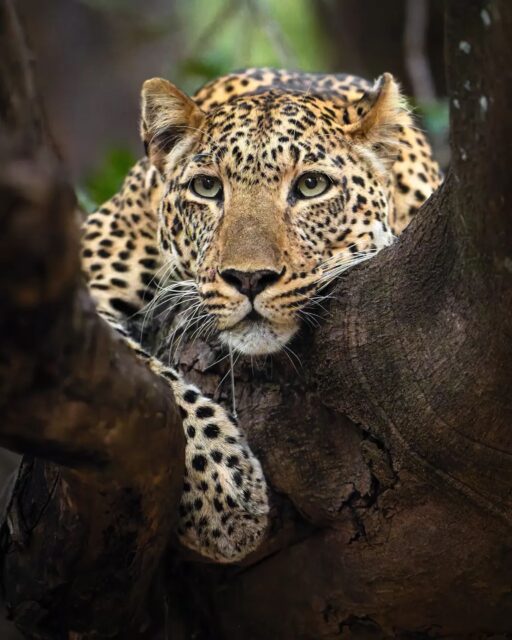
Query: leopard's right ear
[[169, 118]]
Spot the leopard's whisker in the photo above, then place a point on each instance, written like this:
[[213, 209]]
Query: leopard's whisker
[[191, 321], [232, 364], [223, 357], [288, 351]]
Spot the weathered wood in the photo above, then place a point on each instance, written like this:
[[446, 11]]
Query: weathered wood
[[83, 540]]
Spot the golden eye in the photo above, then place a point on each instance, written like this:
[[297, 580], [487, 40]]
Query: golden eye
[[311, 185], [206, 186]]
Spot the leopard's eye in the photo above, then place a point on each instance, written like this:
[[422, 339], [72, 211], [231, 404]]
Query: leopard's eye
[[206, 186], [311, 185]]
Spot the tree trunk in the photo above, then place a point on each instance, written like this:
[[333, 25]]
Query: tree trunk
[[387, 441], [372, 37], [81, 541]]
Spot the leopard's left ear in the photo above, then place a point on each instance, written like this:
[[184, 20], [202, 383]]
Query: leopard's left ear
[[169, 117], [377, 119]]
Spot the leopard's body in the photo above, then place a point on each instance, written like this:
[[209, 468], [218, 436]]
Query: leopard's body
[[227, 220]]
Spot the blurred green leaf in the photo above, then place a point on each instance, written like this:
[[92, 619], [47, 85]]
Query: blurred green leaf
[[226, 35], [436, 116], [433, 116], [107, 178], [206, 67], [85, 202]]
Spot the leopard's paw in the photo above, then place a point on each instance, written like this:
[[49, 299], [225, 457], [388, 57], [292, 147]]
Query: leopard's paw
[[224, 507]]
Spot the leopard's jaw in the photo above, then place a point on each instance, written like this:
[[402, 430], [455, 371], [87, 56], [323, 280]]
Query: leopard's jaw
[[259, 337]]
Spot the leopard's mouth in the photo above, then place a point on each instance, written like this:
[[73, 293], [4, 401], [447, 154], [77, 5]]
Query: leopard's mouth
[[254, 316], [255, 335]]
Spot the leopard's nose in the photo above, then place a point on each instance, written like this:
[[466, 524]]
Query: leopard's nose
[[250, 283]]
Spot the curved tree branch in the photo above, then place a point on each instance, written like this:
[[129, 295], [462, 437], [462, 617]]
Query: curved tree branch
[[70, 389], [82, 541], [72, 393], [439, 302]]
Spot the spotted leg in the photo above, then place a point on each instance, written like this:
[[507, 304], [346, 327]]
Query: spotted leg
[[223, 512]]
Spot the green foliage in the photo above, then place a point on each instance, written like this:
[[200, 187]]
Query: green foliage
[[85, 202], [224, 35], [219, 36], [102, 183], [436, 116]]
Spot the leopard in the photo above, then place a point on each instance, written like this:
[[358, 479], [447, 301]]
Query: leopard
[[253, 197]]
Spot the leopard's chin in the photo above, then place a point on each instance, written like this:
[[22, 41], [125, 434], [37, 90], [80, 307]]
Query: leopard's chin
[[260, 337]]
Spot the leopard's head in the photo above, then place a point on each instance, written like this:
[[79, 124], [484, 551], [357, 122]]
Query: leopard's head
[[268, 197]]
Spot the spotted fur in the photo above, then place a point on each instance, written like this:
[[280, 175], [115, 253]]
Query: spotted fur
[[249, 262]]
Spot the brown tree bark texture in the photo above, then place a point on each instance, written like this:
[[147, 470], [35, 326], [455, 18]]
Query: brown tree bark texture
[[73, 394], [82, 540], [388, 447]]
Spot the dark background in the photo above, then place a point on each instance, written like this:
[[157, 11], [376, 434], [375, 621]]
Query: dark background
[[93, 55]]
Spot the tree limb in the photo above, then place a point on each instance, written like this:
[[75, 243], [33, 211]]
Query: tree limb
[[81, 542], [70, 389], [20, 107], [73, 394]]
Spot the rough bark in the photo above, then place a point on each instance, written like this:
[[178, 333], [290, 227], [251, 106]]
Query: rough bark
[[82, 540], [388, 446]]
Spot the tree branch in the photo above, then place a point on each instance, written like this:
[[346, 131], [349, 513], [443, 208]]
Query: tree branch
[[480, 77], [72, 393], [416, 58], [20, 107], [70, 389], [81, 542]]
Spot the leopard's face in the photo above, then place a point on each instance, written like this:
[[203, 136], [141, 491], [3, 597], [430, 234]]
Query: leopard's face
[[268, 198]]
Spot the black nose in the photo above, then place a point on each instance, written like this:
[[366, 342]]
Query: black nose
[[250, 283]]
